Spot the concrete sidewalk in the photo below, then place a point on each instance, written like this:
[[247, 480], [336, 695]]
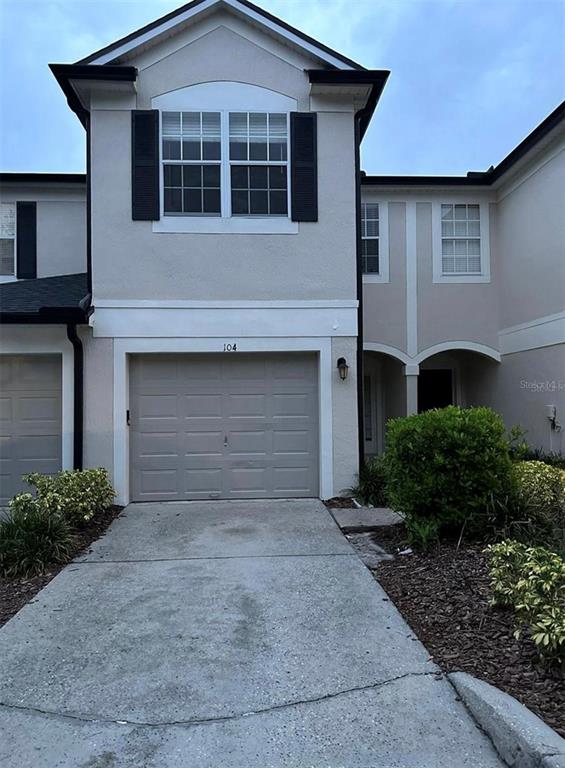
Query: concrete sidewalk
[[224, 634]]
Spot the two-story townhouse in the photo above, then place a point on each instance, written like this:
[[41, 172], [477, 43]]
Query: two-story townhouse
[[188, 314], [464, 291]]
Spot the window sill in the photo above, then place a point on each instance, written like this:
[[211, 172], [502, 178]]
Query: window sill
[[461, 278], [372, 278], [7, 279], [216, 225]]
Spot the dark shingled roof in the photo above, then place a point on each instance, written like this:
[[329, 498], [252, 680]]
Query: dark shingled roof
[[46, 299]]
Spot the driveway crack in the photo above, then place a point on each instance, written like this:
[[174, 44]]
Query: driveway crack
[[220, 718]]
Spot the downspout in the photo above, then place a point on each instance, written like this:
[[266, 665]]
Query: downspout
[[359, 246], [78, 409]]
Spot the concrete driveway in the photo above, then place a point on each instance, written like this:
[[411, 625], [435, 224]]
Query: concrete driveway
[[208, 634]]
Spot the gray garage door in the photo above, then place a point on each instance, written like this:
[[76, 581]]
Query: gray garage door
[[30, 419], [223, 426]]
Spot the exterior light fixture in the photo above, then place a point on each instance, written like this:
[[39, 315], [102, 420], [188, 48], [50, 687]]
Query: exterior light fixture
[[343, 368]]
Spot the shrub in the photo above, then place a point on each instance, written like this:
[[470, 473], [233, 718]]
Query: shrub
[[446, 466], [538, 454], [540, 502], [371, 484], [32, 536], [76, 494], [532, 581]]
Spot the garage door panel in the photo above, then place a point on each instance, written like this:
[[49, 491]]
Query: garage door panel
[[30, 419], [238, 420]]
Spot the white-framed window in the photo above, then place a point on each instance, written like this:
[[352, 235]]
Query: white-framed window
[[460, 239], [250, 152], [7, 240], [374, 241], [460, 233]]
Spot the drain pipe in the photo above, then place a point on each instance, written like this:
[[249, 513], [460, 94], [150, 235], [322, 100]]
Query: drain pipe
[[360, 351], [78, 378]]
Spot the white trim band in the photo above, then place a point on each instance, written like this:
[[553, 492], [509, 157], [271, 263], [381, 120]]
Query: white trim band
[[541, 332]]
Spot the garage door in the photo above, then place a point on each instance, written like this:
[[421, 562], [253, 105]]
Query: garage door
[[30, 419], [223, 426]]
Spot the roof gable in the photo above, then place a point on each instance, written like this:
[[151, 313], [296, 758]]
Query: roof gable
[[170, 24]]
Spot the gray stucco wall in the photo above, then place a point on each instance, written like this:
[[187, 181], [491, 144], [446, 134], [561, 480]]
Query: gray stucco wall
[[132, 261], [384, 307], [98, 401], [520, 388], [530, 242], [61, 225], [345, 432]]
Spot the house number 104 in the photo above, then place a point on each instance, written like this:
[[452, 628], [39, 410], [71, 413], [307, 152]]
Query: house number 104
[[230, 347]]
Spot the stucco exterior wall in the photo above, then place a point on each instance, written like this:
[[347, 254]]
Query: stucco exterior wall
[[98, 401], [344, 401], [530, 241], [131, 260], [61, 225], [384, 304], [520, 388]]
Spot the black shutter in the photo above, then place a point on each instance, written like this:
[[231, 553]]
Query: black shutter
[[26, 240], [145, 165], [304, 166]]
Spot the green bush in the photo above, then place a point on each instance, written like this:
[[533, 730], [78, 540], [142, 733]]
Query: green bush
[[371, 483], [32, 536], [78, 494], [531, 580], [445, 466], [540, 502]]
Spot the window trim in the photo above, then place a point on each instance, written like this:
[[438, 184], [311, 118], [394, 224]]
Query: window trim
[[224, 97], [14, 277], [383, 275], [480, 277]]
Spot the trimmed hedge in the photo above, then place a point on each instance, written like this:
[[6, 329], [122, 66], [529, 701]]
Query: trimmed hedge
[[76, 494], [445, 466]]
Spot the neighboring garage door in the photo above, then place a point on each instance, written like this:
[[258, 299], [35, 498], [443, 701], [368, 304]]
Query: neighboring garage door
[[30, 419], [224, 426]]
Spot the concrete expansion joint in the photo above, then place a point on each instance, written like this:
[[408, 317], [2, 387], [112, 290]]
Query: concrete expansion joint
[[221, 718], [105, 561]]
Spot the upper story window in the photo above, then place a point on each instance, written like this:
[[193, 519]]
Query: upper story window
[[460, 239], [7, 239], [370, 238], [225, 163]]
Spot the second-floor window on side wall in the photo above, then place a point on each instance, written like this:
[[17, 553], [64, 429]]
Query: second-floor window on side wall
[[460, 239], [191, 154], [7, 239], [370, 238]]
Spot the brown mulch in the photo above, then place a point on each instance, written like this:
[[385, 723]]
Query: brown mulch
[[16, 591], [444, 594], [339, 502]]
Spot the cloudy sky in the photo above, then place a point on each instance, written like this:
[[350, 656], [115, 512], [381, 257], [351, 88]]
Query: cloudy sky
[[470, 78]]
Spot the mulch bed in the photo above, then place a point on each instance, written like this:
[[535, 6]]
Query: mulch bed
[[444, 594], [339, 502], [15, 592]]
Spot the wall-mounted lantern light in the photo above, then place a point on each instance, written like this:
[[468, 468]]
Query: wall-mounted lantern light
[[343, 368]]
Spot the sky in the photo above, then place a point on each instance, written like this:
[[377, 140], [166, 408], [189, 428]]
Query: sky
[[469, 78]]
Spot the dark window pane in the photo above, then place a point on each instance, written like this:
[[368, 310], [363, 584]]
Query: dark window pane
[[259, 202], [192, 175], [192, 201], [238, 150], [371, 247], [191, 150], [278, 202], [211, 150], [257, 150], [371, 265], [258, 177], [173, 175], [211, 175], [211, 201], [171, 149], [239, 177], [239, 202], [277, 177], [277, 150], [173, 201]]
